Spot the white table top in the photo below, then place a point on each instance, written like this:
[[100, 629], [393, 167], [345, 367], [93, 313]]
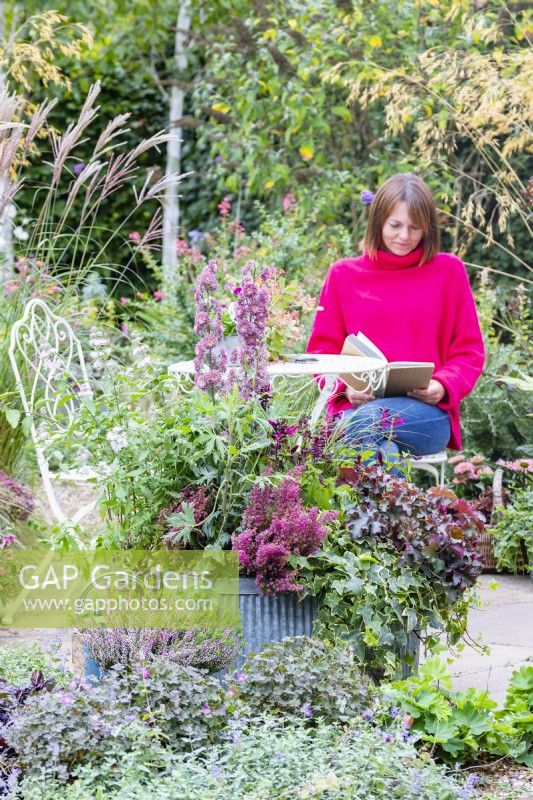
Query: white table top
[[321, 365]]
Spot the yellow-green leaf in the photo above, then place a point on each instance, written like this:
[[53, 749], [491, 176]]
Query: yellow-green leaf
[[222, 108]]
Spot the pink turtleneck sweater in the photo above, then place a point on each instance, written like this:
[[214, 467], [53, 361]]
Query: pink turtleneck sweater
[[412, 313]]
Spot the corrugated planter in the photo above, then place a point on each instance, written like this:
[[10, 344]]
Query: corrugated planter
[[267, 619]]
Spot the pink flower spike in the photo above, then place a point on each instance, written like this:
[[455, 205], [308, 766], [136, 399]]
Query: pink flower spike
[[224, 207], [134, 236], [158, 295], [124, 301]]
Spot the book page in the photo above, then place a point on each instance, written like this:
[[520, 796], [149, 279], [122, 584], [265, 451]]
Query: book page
[[360, 345], [404, 378], [371, 346]]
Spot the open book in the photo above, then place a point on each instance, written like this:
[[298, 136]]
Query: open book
[[403, 376]]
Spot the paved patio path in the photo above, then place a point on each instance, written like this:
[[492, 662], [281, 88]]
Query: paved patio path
[[505, 623]]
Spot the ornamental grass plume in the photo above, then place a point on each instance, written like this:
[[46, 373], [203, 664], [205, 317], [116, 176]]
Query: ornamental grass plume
[[276, 525]]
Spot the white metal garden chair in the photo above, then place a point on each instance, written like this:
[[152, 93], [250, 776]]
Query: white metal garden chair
[[45, 356], [435, 464]]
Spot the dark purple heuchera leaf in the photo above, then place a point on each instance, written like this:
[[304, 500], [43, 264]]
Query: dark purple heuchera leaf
[[433, 529]]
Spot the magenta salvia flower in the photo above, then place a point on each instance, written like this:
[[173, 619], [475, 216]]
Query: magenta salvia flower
[[251, 317], [387, 421], [276, 525]]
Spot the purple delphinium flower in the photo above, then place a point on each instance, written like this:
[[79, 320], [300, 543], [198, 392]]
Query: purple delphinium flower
[[367, 197], [251, 317], [367, 715], [307, 710], [388, 738], [394, 712], [78, 168], [210, 360]]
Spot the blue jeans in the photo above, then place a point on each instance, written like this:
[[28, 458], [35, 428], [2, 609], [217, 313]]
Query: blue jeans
[[397, 424]]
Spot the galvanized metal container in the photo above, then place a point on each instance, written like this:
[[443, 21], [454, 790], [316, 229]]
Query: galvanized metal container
[[269, 619]]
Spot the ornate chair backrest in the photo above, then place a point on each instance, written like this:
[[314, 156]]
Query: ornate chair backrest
[[50, 372], [47, 360]]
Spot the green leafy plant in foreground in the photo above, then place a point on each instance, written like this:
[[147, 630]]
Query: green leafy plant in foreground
[[462, 726], [303, 678], [262, 759], [17, 662], [399, 568]]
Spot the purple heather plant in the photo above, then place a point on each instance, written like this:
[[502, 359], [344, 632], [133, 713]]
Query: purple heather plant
[[15, 499], [276, 525], [138, 647]]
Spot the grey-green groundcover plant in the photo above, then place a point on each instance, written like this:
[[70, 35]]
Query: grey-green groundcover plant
[[263, 759]]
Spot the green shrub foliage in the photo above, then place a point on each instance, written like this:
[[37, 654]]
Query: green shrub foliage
[[305, 678]]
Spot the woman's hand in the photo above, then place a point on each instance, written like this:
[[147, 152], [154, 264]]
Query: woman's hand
[[357, 398], [432, 395]]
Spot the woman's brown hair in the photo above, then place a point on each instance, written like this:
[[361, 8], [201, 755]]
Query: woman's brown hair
[[412, 190]]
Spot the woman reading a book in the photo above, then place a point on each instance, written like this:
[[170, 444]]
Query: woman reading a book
[[415, 304]]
